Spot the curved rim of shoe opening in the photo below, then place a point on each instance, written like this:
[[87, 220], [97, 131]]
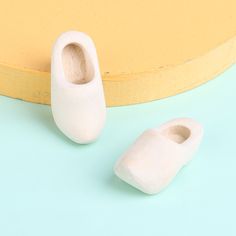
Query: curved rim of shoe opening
[[182, 131], [74, 50]]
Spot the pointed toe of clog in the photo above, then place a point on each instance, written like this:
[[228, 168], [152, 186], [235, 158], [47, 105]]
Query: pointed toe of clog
[[82, 131]]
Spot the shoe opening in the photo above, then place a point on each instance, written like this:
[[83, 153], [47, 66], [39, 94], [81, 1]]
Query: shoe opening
[[177, 133], [77, 65]]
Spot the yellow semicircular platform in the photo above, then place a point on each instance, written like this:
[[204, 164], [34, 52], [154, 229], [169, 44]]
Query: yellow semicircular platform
[[147, 49]]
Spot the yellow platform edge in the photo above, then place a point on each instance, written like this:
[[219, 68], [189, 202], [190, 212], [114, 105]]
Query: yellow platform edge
[[125, 89]]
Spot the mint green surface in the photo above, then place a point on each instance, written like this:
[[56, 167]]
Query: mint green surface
[[52, 186]]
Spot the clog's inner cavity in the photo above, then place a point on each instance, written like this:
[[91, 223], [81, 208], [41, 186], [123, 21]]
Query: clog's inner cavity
[[77, 65], [177, 133]]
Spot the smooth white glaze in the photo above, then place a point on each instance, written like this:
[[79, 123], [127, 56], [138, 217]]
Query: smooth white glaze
[[158, 154], [77, 97]]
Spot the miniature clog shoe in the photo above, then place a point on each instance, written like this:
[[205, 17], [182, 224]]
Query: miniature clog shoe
[[158, 154], [77, 97]]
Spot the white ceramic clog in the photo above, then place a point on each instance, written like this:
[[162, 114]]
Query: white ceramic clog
[[158, 154], [77, 97]]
